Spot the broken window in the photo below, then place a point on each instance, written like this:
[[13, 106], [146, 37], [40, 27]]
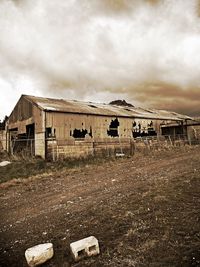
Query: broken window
[[113, 128], [151, 132], [30, 130], [48, 132], [134, 124], [150, 124], [79, 133], [140, 131], [90, 133]]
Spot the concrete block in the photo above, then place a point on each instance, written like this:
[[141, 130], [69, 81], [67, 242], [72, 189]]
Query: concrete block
[[120, 154], [39, 254], [86, 247], [4, 163]]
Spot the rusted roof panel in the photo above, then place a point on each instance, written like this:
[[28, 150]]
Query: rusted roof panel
[[73, 106]]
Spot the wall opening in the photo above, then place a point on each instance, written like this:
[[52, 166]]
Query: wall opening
[[142, 130], [113, 128], [30, 131], [90, 133], [50, 132], [77, 133], [24, 143]]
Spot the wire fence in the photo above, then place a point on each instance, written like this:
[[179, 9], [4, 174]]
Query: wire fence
[[56, 149]]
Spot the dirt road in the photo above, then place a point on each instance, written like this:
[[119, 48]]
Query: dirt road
[[145, 211]]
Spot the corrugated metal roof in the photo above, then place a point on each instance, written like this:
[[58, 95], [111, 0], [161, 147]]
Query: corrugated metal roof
[[78, 107]]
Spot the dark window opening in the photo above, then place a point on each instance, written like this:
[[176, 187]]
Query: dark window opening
[[22, 136], [113, 128], [138, 132], [30, 131], [13, 133], [150, 124], [48, 132], [134, 124], [90, 133], [3, 124], [172, 131], [79, 133], [143, 133]]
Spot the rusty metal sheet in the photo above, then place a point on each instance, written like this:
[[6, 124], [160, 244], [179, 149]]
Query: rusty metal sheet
[[78, 107]]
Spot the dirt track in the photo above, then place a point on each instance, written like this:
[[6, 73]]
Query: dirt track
[[145, 211]]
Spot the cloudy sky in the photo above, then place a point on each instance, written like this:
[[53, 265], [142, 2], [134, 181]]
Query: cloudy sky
[[146, 52]]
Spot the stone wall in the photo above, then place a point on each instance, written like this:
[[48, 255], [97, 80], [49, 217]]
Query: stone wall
[[57, 149]]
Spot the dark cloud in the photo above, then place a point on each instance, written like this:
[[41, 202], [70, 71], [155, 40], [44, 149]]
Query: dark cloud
[[170, 97], [144, 50]]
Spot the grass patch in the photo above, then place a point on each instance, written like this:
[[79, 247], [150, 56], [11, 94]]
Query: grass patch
[[28, 168]]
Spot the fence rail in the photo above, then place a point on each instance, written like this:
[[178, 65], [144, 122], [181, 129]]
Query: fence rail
[[80, 147]]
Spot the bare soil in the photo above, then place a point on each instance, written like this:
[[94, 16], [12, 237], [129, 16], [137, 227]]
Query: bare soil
[[144, 210]]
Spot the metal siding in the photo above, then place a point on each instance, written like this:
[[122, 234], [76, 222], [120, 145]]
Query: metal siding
[[87, 108]]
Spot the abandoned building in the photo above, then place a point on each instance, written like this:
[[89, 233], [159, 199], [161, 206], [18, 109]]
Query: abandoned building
[[190, 128], [51, 127]]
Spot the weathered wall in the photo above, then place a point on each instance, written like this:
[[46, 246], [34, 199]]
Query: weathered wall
[[63, 125], [76, 134], [25, 113], [40, 144], [72, 148], [22, 111]]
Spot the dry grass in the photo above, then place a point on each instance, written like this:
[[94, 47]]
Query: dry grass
[[21, 169]]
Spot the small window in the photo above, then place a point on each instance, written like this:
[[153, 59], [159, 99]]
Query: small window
[[48, 132]]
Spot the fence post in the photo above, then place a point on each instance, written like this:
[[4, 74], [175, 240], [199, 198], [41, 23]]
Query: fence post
[[53, 150], [189, 139], [170, 140], [31, 148], [57, 152]]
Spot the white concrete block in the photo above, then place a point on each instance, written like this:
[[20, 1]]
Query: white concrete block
[[39, 254], [86, 247], [4, 163], [120, 154]]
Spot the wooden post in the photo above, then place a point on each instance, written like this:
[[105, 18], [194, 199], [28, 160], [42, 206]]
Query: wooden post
[[170, 140], [53, 151], [57, 152]]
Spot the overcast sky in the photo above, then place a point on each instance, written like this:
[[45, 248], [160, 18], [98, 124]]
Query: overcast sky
[[146, 52]]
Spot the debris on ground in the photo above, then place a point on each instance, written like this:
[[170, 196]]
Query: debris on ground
[[4, 163], [83, 248], [39, 254]]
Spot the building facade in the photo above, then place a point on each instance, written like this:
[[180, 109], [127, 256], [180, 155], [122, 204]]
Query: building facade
[[49, 126]]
